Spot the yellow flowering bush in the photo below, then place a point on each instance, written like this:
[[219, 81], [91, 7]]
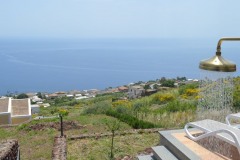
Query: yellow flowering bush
[[63, 112], [123, 103], [163, 98], [191, 92]]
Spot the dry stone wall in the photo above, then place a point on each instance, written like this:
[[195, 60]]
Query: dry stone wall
[[59, 148], [9, 149]]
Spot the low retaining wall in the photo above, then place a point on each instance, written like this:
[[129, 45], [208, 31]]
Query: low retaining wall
[[59, 148], [14, 125], [107, 134], [9, 150]]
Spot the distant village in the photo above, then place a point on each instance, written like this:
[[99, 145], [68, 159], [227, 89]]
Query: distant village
[[15, 109]]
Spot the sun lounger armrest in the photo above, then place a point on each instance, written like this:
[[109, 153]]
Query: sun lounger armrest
[[197, 127], [228, 117], [188, 133], [232, 116]]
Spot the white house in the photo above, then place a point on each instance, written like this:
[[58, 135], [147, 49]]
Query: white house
[[82, 97], [36, 99], [5, 111], [14, 111]]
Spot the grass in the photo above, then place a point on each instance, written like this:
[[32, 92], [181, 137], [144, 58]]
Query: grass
[[93, 124], [38, 144], [169, 120], [33, 144], [128, 145]]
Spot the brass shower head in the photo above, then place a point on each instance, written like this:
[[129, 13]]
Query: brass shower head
[[217, 62]]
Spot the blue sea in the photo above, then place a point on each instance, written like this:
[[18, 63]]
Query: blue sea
[[49, 65]]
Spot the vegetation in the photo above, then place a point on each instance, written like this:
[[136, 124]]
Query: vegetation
[[171, 108], [22, 96], [87, 149], [36, 138], [236, 93], [39, 94], [113, 126], [168, 83], [130, 120], [161, 98], [98, 108], [113, 96], [148, 112]]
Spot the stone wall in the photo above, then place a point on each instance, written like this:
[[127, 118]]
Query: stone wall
[[117, 133], [59, 148], [9, 149]]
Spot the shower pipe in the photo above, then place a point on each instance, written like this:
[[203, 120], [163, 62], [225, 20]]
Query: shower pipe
[[218, 53]]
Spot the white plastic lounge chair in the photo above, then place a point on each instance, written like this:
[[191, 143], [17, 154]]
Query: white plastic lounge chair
[[220, 130], [233, 116]]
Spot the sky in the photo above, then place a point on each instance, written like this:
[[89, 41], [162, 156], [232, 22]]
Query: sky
[[119, 18]]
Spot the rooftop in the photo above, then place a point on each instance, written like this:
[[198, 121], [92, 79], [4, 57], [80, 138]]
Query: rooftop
[[136, 87], [20, 107]]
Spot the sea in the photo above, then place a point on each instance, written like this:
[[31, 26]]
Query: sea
[[50, 65]]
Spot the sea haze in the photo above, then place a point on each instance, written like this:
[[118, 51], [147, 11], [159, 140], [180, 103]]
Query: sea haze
[[61, 65]]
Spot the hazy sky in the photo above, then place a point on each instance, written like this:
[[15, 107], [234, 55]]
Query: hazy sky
[[119, 18]]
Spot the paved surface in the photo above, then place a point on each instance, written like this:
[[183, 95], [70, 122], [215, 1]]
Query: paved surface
[[42, 117]]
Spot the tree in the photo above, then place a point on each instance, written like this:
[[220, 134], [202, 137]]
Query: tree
[[155, 86], [163, 79], [39, 94], [113, 126], [168, 83], [53, 110], [181, 78], [22, 96], [147, 86]]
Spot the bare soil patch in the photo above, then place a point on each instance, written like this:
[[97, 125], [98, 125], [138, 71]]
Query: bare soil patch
[[67, 125]]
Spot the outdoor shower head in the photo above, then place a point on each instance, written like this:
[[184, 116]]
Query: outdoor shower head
[[218, 63]]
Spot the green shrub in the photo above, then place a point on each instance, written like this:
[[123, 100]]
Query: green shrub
[[114, 96], [168, 83], [99, 99], [22, 96], [138, 105], [130, 120], [122, 110], [98, 108], [177, 106], [23, 126], [186, 89]]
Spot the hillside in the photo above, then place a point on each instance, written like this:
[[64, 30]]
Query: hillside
[[166, 109]]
